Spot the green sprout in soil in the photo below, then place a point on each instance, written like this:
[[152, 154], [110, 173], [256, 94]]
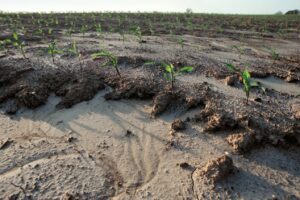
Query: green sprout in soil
[[83, 30], [274, 53], [248, 83], [171, 74], [122, 34], [98, 29], [69, 32], [112, 59], [181, 42], [19, 43], [74, 51], [138, 33], [52, 50], [4, 45], [239, 49]]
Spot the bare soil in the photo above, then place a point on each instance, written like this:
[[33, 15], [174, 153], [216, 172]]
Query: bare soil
[[73, 132]]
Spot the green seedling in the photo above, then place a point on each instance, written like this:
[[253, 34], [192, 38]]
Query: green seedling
[[248, 83], [98, 29], [274, 54], [240, 50], [181, 42], [50, 31], [83, 30], [52, 50], [19, 44], [138, 33], [4, 45], [122, 34], [171, 74], [69, 32], [74, 51], [112, 59]]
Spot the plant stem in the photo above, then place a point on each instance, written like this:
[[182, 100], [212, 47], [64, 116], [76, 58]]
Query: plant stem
[[23, 53], [118, 72]]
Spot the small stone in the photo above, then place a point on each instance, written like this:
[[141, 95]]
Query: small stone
[[128, 133], [257, 99], [185, 165]]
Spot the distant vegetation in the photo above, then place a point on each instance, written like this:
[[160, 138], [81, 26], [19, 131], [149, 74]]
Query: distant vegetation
[[293, 12]]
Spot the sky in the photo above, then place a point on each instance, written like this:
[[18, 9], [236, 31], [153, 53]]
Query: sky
[[202, 6]]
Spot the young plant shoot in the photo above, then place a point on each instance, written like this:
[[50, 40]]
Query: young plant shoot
[[4, 45], [248, 83], [19, 44], [74, 50], [171, 74], [138, 33], [112, 59], [52, 50]]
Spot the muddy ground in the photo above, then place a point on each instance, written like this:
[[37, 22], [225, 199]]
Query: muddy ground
[[76, 130]]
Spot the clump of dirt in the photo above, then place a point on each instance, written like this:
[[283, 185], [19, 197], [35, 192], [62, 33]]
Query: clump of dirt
[[178, 125], [31, 86], [32, 96], [215, 170], [296, 110], [272, 123], [220, 121], [128, 87], [193, 101], [161, 101], [83, 89], [241, 142], [231, 80]]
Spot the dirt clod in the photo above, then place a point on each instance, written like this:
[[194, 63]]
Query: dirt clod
[[161, 102], [217, 169], [84, 90], [5, 143], [220, 121], [230, 80], [32, 97], [296, 110], [178, 125], [128, 133], [185, 165], [241, 142]]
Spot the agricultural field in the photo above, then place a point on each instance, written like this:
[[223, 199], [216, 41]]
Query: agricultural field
[[149, 106]]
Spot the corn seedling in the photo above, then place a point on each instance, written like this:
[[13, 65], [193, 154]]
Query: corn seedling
[[138, 33], [171, 74], [4, 45], [274, 54], [98, 29], [69, 32], [112, 59], [240, 50], [248, 83], [83, 30], [19, 44], [74, 50], [52, 50], [181, 42]]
